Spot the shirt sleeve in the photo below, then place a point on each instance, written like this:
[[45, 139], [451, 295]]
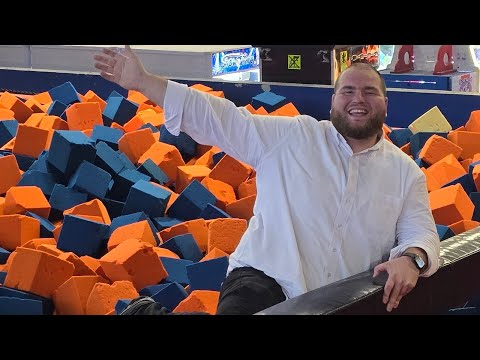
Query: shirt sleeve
[[210, 120], [416, 227]]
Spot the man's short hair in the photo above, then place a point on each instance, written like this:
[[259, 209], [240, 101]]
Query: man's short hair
[[364, 66]]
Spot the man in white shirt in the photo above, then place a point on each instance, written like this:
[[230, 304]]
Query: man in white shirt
[[333, 197]]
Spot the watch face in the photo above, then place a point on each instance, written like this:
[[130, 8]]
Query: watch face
[[420, 262]]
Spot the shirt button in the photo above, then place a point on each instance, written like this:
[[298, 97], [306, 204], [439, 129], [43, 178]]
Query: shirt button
[[334, 250], [339, 226], [329, 275]]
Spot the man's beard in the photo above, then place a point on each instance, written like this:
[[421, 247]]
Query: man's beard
[[371, 128]]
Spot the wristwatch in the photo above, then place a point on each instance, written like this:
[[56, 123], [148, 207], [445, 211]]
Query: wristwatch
[[417, 260]]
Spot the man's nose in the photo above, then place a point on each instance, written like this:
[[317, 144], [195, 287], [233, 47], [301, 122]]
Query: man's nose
[[358, 96]]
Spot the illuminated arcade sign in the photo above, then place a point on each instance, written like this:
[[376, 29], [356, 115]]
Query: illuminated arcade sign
[[232, 61]]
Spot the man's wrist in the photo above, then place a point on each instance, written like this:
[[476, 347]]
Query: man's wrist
[[421, 253]]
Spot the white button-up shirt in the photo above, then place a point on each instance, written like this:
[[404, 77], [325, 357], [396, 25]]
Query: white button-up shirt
[[322, 213]]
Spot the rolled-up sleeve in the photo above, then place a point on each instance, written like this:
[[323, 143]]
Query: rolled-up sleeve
[[416, 227]]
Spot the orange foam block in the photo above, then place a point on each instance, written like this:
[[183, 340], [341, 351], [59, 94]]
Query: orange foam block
[[243, 208], [167, 157], [436, 148], [152, 117], [444, 171], [35, 119], [213, 254], [35, 243], [468, 141], [463, 225], [199, 301], [43, 97], [224, 192], [50, 249], [9, 173], [225, 234], [198, 229], [16, 230], [247, 188], [138, 98], [20, 199], [450, 205], [135, 143], [37, 272], [6, 114], [138, 230], [473, 123], [104, 297], [81, 268], [36, 106], [71, 297], [94, 207], [95, 265], [11, 102], [84, 116], [30, 141], [231, 171], [2, 205], [90, 96], [286, 110], [135, 261], [186, 174], [201, 87], [53, 123]]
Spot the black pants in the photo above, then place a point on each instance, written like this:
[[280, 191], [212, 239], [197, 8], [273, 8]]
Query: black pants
[[245, 291]]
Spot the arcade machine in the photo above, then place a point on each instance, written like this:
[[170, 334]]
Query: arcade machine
[[237, 65], [433, 67], [311, 64]]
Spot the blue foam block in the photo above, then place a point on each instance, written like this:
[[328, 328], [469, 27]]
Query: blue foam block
[[24, 162], [4, 254], [45, 181], [63, 198], [208, 274], [184, 246], [217, 157], [151, 169], [108, 135], [8, 130], [269, 100], [119, 110], [67, 151], [121, 305], [41, 163], [65, 93], [3, 275], [83, 237], [47, 304], [108, 160], [212, 212], [191, 202], [400, 137], [16, 306], [152, 289], [165, 222], [114, 207], [444, 232], [421, 163], [56, 108], [147, 197], [46, 227], [466, 181], [176, 269], [170, 295], [123, 182], [90, 179], [183, 142]]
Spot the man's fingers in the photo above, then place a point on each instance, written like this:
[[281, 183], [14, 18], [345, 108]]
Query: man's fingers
[[387, 290], [393, 300], [103, 67]]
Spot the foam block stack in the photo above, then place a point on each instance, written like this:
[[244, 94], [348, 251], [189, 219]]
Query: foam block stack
[[100, 203]]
